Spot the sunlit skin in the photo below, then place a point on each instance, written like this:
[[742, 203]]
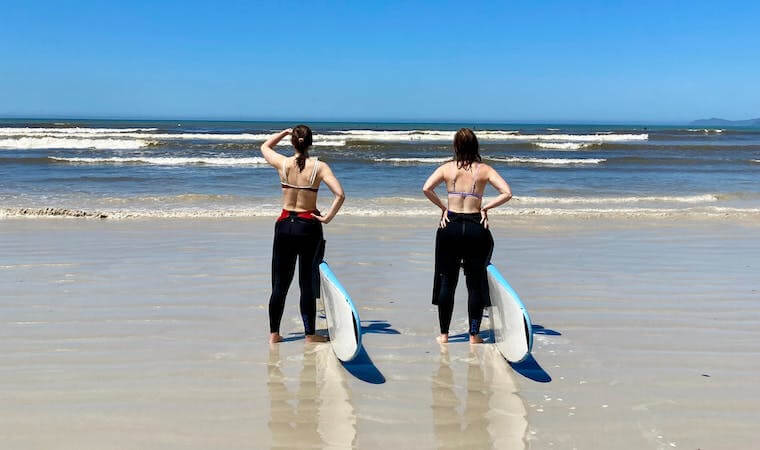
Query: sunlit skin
[[446, 173], [301, 200]]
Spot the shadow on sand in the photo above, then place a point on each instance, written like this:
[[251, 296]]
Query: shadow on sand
[[529, 367], [364, 369], [377, 326], [362, 366]]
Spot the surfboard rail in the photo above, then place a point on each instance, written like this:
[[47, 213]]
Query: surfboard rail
[[527, 325], [328, 275]]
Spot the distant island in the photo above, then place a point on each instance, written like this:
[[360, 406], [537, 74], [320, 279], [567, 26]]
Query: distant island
[[723, 122]]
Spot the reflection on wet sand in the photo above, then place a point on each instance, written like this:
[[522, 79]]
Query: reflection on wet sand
[[493, 413], [319, 413]]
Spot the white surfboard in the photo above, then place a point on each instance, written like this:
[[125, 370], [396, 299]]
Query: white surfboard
[[512, 329], [343, 323]]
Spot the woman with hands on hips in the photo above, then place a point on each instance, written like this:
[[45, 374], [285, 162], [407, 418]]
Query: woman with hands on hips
[[463, 238], [298, 230]]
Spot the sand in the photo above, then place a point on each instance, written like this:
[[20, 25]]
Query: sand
[[141, 334]]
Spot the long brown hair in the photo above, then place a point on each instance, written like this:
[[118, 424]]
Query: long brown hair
[[301, 140], [466, 149]]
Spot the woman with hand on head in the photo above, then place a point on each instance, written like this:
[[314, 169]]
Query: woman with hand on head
[[463, 237], [298, 230]]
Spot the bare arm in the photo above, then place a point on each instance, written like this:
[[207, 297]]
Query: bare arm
[[332, 182], [505, 193], [429, 190], [273, 158]]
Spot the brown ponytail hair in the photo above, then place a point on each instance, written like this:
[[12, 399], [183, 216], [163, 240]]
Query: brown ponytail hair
[[466, 149], [301, 140]]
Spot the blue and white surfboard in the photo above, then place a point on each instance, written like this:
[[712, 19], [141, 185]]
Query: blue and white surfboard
[[512, 328], [343, 322]]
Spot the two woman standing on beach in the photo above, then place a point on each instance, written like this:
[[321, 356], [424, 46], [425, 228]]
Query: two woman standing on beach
[[462, 238]]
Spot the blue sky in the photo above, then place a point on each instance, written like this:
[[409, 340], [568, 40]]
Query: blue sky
[[605, 61]]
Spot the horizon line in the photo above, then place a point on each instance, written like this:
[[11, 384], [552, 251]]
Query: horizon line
[[353, 120]]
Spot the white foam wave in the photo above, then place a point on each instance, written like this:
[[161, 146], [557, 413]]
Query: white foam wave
[[337, 138], [412, 160], [597, 138], [703, 198], [548, 161], [329, 143], [415, 135], [562, 145], [756, 160], [273, 211], [72, 143], [705, 130], [166, 161], [487, 135], [28, 131], [87, 136]]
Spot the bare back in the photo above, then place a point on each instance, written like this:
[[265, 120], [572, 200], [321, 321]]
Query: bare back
[[465, 186], [299, 188]]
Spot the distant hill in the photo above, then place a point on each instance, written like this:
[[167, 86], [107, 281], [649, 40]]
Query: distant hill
[[729, 123]]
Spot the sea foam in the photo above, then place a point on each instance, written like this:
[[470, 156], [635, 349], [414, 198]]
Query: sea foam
[[548, 161], [166, 161], [336, 138], [412, 160], [72, 143], [562, 145], [272, 211]]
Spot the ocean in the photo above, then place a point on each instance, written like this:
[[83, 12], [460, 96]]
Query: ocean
[[133, 169]]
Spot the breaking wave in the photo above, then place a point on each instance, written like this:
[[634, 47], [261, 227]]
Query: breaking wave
[[73, 143], [548, 161], [562, 145], [27, 131], [273, 211], [517, 160], [412, 160], [120, 138], [703, 198], [166, 161]]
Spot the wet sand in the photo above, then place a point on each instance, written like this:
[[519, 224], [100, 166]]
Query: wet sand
[[152, 334]]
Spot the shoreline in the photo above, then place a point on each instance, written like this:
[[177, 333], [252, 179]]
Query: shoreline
[[354, 213]]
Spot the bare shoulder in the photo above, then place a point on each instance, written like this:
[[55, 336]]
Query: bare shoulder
[[324, 169]]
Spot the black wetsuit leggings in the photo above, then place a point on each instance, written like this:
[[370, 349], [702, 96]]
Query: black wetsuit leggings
[[463, 242], [302, 238]]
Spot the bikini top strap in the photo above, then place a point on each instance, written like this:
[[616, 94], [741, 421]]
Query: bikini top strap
[[456, 174], [314, 171], [283, 176], [475, 178]]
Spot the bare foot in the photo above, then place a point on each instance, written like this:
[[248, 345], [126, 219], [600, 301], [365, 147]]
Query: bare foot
[[442, 339], [475, 339], [314, 338], [275, 338]]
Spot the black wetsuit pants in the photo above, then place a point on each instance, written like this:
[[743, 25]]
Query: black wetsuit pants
[[295, 237], [465, 243]]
